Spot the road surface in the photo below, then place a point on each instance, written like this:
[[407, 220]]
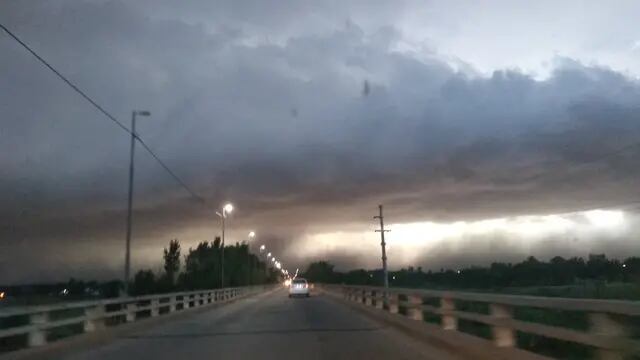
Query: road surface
[[268, 326]]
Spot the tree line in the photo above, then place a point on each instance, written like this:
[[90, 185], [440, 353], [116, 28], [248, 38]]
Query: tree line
[[201, 268], [530, 272]]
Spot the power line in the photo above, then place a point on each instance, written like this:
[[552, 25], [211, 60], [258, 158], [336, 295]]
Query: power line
[[67, 81], [168, 170], [103, 111]]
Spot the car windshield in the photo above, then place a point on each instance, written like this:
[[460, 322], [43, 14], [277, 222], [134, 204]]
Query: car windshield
[[237, 177]]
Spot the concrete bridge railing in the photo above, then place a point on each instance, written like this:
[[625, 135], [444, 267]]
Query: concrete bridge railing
[[36, 322], [607, 333]]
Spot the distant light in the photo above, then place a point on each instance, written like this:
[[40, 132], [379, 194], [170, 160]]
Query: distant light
[[458, 271], [2, 295], [268, 255], [393, 277], [273, 259], [228, 208], [252, 234], [370, 275], [624, 265]]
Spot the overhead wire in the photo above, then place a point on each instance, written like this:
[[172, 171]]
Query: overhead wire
[[103, 111], [177, 178]]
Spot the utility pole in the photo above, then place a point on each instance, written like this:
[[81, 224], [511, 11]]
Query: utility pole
[[127, 256], [249, 264], [222, 253], [226, 209], [384, 254]]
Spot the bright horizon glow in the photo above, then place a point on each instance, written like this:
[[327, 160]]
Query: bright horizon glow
[[605, 218], [568, 233]]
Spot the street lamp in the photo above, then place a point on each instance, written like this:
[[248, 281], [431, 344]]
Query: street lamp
[[127, 256], [226, 209], [262, 247], [252, 235]]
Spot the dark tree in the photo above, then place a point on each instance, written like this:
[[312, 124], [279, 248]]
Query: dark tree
[[320, 271], [144, 283], [172, 261]]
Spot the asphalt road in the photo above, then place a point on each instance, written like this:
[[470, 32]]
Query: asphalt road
[[269, 326]]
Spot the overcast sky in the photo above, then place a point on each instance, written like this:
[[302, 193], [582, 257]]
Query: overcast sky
[[485, 129]]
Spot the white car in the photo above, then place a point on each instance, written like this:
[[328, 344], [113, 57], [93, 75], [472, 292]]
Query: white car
[[299, 287]]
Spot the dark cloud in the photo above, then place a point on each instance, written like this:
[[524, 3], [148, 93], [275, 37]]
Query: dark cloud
[[280, 126]]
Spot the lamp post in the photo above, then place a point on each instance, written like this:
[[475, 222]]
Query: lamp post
[[127, 256], [252, 235], [226, 209]]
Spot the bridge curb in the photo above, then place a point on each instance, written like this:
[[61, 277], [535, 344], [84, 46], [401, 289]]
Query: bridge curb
[[473, 348], [63, 347]]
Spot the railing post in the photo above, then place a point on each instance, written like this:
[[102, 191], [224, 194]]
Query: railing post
[[449, 322], [93, 318], [603, 324], [357, 295], [185, 301], [414, 311], [368, 297], [131, 312], [379, 300], [155, 307], [502, 336], [37, 336], [172, 303], [392, 300]]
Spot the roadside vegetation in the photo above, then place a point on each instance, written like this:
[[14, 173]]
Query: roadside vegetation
[[199, 268], [596, 277]]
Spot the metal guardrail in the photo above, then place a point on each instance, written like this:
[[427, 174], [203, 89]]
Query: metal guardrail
[[93, 315], [607, 332]]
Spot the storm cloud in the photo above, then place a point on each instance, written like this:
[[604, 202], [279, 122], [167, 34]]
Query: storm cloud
[[266, 105]]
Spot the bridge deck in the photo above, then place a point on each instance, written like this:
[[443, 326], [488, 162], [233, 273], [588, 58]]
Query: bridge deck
[[269, 326]]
